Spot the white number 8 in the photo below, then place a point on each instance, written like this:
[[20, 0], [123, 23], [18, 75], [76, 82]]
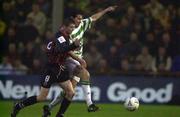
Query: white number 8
[[47, 78]]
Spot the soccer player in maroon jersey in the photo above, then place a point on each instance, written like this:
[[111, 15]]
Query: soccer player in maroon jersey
[[55, 71]]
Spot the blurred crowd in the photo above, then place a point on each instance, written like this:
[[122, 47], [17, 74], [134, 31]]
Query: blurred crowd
[[139, 37], [25, 25]]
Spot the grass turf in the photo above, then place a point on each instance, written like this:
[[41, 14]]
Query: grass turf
[[107, 110]]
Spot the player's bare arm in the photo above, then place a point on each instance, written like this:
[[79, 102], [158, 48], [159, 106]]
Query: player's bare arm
[[98, 15], [80, 60]]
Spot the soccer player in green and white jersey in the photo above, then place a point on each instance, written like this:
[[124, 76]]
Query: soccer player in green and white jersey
[[76, 64]]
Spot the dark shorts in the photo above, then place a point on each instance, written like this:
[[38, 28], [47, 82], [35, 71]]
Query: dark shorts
[[53, 74]]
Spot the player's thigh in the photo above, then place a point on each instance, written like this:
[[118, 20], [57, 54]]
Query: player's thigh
[[66, 85], [84, 74], [48, 77], [43, 94], [71, 65], [64, 81]]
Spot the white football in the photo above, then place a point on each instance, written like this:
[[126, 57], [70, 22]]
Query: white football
[[131, 104]]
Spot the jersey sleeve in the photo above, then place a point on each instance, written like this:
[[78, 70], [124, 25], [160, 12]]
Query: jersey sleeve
[[87, 23], [61, 46]]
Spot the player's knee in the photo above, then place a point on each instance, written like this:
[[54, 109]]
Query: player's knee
[[86, 75], [70, 94], [41, 97]]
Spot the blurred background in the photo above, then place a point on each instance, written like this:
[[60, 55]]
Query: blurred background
[[134, 51], [140, 37]]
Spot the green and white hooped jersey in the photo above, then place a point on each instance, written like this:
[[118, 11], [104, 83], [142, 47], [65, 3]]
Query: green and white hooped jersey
[[78, 33]]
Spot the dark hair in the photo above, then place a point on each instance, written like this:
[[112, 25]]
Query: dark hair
[[75, 13], [68, 21]]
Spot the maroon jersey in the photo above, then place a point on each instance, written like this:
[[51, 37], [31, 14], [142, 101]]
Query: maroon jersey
[[57, 50]]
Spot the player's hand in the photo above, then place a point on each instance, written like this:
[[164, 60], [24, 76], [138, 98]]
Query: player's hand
[[83, 63], [77, 42], [111, 8]]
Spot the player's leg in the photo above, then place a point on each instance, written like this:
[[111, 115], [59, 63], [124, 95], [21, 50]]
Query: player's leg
[[46, 82], [78, 72], [85, 81], [55, 101], [69, 93], [71, 66], [30, 101], [59, 98]]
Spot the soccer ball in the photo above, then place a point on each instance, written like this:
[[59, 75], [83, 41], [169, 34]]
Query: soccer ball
[[131, 104]]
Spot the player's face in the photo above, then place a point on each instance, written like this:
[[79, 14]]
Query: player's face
[[78, 19], [70, 28]]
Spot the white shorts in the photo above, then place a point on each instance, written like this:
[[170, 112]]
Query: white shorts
[[71, 64]]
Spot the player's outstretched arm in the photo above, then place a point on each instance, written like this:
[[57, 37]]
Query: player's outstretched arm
[[101, 13]]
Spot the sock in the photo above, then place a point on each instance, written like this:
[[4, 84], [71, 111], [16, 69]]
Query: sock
[[87, 92], [27, 102], [57, 100], [64, 106]]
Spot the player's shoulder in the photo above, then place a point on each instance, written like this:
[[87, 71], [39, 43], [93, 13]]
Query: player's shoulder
[[87, 19], [61, 39], [58, 34]]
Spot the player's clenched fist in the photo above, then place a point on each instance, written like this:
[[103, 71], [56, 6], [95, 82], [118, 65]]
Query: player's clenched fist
[[111, 8]]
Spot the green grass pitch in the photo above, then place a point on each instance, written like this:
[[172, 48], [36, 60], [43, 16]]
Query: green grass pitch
[[107, 110]]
